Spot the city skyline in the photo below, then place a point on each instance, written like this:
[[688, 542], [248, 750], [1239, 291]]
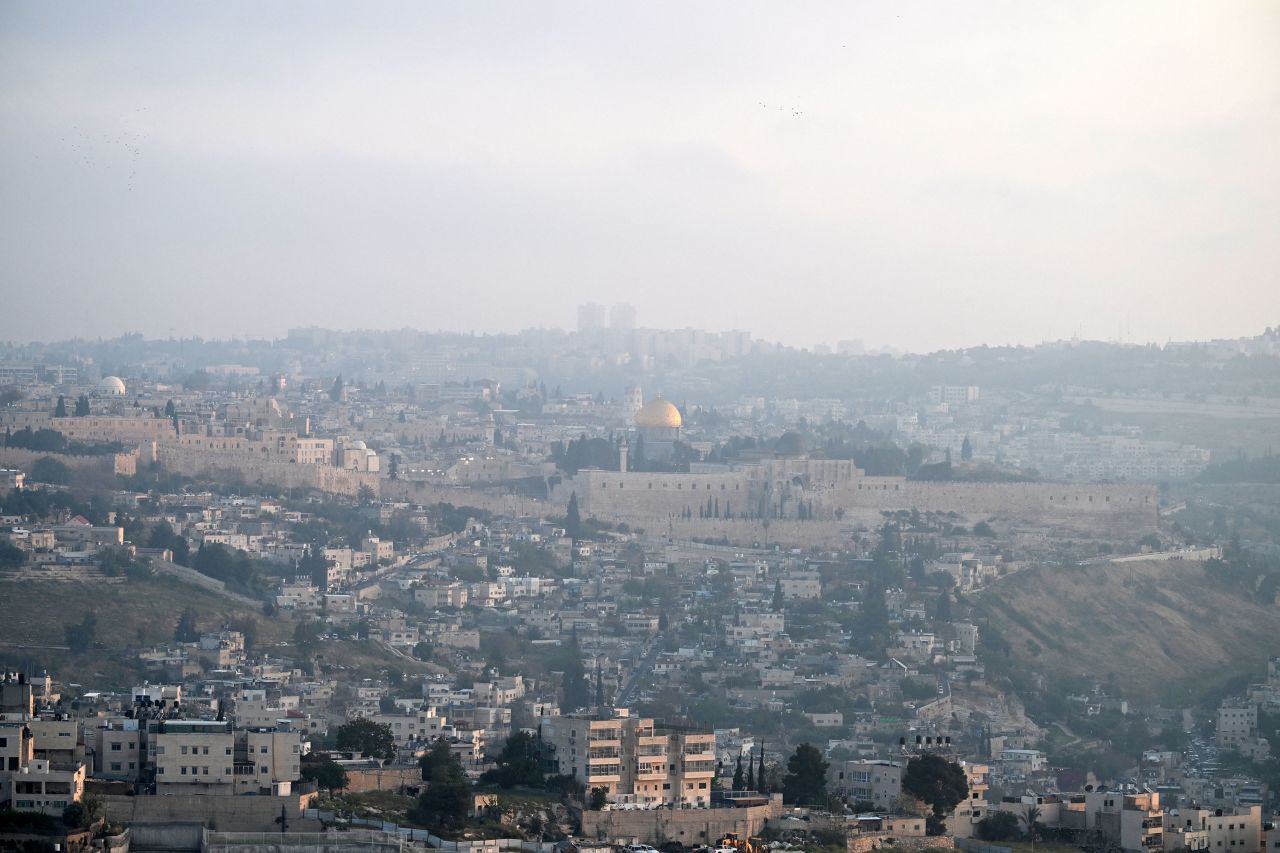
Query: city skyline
[[914, 176]]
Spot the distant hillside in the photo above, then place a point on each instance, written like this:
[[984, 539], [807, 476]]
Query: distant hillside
[[140, 612], [1161, 631]]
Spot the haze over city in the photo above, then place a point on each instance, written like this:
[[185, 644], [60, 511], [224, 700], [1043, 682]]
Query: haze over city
[[918, 175], [640, 427]]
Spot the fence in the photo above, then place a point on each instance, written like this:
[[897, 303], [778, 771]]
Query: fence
[[298, 842]]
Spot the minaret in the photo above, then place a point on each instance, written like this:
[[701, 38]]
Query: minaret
[[622, 456]]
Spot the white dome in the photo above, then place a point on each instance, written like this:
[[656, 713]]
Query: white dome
[[359, 445], [112, 385]]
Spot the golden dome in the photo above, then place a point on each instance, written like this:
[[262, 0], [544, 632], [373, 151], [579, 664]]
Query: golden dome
[[658, 413]]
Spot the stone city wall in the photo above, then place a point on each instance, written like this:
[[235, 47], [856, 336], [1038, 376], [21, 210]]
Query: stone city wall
[[232, 467], [653, 500], [495, 501]]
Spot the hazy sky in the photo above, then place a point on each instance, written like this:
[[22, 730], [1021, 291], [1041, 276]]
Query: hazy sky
[[958, 173]]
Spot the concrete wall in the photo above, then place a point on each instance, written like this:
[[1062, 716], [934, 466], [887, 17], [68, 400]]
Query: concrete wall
[[165, 836], [251, 814]]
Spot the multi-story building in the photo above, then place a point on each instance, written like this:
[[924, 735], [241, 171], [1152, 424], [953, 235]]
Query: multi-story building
[[875, 782], [963, 821], [1237, 829], [632, 760], [119, 749], [267, 760], [194, 757], [28, 783], [1237, 725]]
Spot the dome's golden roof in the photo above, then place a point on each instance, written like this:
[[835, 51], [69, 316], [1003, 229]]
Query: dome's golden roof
[[658, 413]]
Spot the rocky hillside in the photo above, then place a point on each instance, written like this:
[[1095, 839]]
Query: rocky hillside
[[1160, 631]]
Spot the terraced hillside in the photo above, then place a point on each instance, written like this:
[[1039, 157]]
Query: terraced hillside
[[1163, 631]]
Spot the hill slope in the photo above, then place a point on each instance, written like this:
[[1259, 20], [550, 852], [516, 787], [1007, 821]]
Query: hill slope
[[1162, 631]]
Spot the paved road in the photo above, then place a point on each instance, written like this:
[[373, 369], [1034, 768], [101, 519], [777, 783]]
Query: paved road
[[642, 668]]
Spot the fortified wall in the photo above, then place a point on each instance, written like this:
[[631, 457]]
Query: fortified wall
[[232, 466], [653, 499]]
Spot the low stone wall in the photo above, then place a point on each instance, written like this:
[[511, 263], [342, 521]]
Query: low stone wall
[[691, 827], [382, 779], [865, 841]]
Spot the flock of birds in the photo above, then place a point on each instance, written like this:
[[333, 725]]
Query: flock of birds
[[796, 112], [88, 153]]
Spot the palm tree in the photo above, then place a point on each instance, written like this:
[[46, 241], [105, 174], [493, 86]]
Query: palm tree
[[1031, 817]]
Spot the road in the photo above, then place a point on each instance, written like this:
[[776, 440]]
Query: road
[[642, 668]]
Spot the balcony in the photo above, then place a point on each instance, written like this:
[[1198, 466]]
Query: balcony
[[603, 773], [699, 766], [604, 734]]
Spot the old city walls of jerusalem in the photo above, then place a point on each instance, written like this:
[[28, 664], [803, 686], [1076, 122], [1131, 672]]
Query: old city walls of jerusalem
[[714, 504], [235, 467]]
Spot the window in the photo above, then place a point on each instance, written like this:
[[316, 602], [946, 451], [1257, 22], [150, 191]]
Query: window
[[184, 750], [115, 747], [115, 766], [184, 770]]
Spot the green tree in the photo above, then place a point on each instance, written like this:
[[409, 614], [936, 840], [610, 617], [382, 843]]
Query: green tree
[[445, 803], [186, 630], [335, 392], [74, 816], [999, 826], [940, 783], [966, 449], [777, 602], [80, 637], [46, 469], [82, 406], [572, 520], [163, 535], [1031, 819], [739, 780], [597, 799], [944, 606], [519, 763], [366, 737], [170, 409], [325, 772], [11, 556], [806, 781], [60, 410]]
